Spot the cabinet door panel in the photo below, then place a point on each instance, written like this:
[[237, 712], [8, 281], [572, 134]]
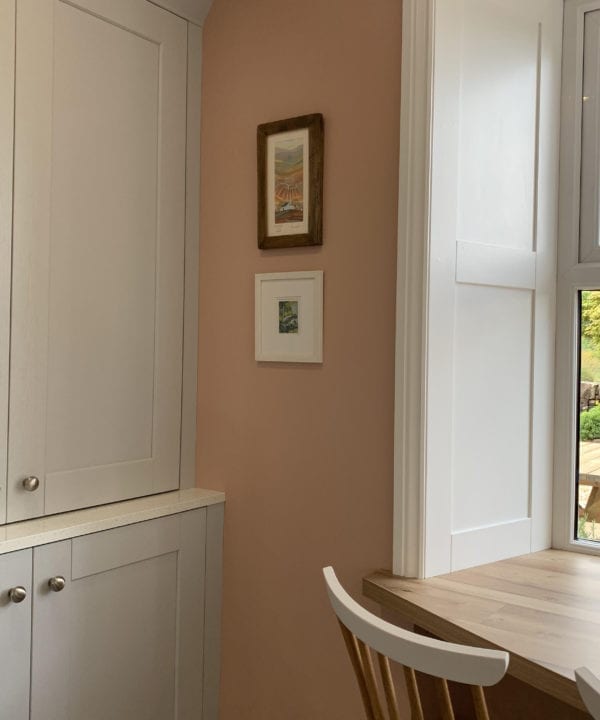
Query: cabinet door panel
[[98, 253], [107, 645], [124, 623], [15, 636], [50, 662]]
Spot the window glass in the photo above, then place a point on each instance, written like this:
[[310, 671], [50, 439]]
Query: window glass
[[589, 235], [588, 457]]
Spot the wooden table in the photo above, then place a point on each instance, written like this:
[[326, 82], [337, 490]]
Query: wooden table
[[589, 474], [543, 608]]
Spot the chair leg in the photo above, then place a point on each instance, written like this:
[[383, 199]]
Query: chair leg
[[414, 698]]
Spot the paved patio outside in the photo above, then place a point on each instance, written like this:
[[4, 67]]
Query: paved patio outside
[[589, 487]]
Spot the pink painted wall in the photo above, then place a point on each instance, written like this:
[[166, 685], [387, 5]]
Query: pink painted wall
[[304, 453]]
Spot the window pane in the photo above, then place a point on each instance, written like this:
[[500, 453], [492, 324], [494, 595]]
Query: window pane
[[589, 236], [588, 463]]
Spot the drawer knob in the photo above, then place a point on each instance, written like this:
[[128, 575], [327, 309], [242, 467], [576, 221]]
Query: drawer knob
[[31, 483], [17, 594], [56, 584]]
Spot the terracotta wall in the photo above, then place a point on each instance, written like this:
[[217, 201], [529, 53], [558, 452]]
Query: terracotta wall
[[304, 453]]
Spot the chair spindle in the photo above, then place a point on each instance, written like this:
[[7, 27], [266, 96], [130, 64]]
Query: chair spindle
[[370, 679], [444, 699], [481, 710], [355, 659], [412, 689], [388, 687]]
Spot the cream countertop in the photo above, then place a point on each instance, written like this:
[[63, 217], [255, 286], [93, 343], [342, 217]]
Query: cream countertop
[[63, 526]]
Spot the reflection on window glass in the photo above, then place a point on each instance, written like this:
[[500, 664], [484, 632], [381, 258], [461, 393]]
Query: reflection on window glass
[[588, 463]]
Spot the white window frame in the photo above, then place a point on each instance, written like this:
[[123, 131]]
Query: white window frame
[[572, 276], [416, 118]]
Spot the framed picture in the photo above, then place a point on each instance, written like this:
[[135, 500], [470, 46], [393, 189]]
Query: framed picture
[[289, 317], [290, 182]]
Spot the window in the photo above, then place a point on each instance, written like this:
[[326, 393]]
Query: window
[[587, 474], [577, 426]]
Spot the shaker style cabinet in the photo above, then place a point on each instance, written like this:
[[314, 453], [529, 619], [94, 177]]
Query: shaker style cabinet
[[94, 310], [112, 624], [114, 611]]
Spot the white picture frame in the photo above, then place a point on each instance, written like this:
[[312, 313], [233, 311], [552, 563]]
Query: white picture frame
[[288, 311]]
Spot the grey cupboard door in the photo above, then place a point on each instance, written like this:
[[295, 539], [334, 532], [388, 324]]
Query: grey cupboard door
[[15, 635], [98, 253], [124, 638]]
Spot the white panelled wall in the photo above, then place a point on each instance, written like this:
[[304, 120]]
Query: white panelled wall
[[479, 471]]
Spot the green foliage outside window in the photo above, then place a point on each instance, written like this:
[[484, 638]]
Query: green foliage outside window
[[589, 424], [590, 316], [590, 335]]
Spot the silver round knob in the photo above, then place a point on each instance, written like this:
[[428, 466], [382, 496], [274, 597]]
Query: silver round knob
[[31, 483], [56, 584], [17, 594]]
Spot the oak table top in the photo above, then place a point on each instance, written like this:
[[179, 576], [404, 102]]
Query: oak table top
[[544, 608]]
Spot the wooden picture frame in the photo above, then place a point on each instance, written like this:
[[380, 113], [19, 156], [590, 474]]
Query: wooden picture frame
[[290, 182]]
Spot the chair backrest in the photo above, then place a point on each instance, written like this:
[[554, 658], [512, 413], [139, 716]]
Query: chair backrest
[[588, 685], [363, 631]]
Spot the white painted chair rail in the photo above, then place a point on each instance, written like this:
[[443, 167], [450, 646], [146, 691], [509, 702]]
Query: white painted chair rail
[[588, 685], [459, 663]]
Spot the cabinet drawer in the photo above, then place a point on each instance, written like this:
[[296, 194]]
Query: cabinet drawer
[[123, 546]]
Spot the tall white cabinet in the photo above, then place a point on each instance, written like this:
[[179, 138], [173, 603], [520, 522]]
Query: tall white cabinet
[[98, 253], [99, 148], [110, 559]]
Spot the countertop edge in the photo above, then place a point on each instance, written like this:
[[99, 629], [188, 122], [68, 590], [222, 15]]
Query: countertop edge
[[64, 526]]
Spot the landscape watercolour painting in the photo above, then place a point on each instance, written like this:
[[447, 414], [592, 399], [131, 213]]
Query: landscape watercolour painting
[[290, 182], [287, 170], [288, 316]]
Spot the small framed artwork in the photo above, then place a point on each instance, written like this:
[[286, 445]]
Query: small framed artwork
[[290, 182], [289, 317]]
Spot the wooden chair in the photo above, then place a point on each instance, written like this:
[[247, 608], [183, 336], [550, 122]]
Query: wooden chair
[[363, 632], [588, 685]]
